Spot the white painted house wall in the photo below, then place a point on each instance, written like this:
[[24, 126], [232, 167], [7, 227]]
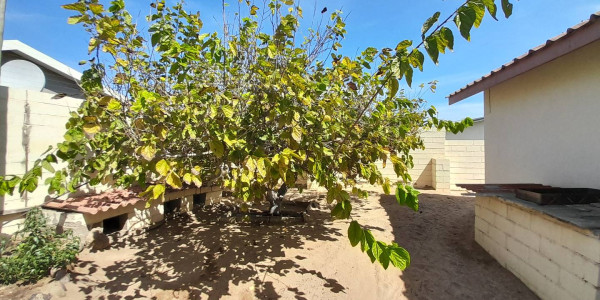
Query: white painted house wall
[[543, 126], [31, 122]]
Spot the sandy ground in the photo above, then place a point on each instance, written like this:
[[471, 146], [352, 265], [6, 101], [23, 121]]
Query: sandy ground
[[206, 257]]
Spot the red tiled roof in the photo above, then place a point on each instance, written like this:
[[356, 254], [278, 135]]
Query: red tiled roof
[[574, 38], [93, 204]]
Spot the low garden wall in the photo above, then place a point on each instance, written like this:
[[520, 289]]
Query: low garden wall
[[555, 259]]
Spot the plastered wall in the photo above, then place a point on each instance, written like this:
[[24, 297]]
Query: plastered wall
[[544, 127]]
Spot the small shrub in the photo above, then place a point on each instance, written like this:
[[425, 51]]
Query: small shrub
[[39, 249]]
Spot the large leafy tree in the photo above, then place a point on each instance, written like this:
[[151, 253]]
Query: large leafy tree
[[253, 109]]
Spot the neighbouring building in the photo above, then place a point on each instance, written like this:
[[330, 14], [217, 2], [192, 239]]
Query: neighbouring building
[[542, 126]]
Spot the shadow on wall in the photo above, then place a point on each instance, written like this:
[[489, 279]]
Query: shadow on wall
[[206, 254], [424, 180], [446, 262]]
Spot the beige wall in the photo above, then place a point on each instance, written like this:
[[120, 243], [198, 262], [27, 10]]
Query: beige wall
[[461, 154], [544, 126], [31, 121]]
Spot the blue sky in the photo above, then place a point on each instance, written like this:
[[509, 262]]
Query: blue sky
[[378, 23]]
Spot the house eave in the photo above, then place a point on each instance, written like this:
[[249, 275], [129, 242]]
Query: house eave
[[573, 39]]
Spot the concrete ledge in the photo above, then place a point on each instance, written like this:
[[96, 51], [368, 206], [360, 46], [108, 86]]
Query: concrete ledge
[[554, 258]]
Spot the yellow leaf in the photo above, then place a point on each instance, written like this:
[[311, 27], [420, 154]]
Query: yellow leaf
[[162, 167], [297, 133], [148, 152], [251, 164], [174, 181], [91, 128], [261, 168], [253, 10], [122, 62], [227, 111], [96, 8], [197, 181], [196, 170], [187, 178], [114, 105], [158, 191], [73, 20], [93, 44]]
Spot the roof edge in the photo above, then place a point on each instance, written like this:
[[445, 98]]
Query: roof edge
[[574, 38], [41, 58]]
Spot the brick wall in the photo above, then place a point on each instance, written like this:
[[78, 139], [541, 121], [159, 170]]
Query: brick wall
[[554, 259]]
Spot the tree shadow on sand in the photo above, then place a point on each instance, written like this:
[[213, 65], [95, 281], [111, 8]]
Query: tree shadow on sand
[[204, 253], [446, 262]]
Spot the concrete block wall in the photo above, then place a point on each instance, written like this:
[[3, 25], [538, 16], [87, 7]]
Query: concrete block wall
[[467, 161], [421, 173], [554, 259], [441, 174]]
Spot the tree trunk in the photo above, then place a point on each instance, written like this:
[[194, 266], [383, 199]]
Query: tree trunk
[[275, 199]]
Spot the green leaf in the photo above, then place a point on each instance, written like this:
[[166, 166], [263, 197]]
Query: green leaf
[[416, 59], [491, 7], [432, 48], [174, 181], [148, 152], [216, 147], [158, 191], [427, 25], [367, 241], [377, 249], [342, 210], [393, 87], [384, 257], [479, 10], [162, 167], [403, 45], [507, 8], [408, 196], [465, 18], [355, 233], [448, 37], [46, 165], [408, 75], [399, 257]]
